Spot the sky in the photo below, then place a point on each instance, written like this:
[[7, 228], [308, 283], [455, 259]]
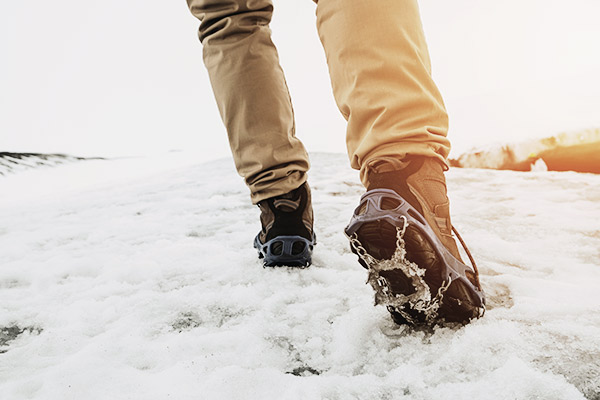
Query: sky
[[118, 78]]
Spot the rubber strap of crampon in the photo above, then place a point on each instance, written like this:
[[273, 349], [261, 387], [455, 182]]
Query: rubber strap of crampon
[[464, 245]]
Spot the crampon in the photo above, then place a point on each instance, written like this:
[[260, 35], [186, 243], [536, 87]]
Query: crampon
[[290, 250], [410, 270]]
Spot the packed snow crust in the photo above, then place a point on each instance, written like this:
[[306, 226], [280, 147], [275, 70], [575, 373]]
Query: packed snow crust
[[136, 279]]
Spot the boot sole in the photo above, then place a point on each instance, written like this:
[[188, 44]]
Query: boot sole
[[288, 251], [376, 231], [379, 240]]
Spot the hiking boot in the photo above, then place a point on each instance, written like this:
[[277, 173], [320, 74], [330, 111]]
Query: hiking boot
[[287, 237], [402, 234]]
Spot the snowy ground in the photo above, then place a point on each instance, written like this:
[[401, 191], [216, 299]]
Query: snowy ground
[[136, 279]]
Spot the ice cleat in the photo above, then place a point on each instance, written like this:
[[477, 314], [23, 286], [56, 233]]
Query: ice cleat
[[414, 267], [287, 237], [292, 251]]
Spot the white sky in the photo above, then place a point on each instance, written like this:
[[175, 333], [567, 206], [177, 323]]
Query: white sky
[[123, 78]]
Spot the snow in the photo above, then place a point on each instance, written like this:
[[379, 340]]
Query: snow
[[136, 279]]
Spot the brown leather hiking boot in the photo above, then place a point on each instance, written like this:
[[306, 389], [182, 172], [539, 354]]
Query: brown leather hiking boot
[[423, 184], [402, 233], [286, 237]]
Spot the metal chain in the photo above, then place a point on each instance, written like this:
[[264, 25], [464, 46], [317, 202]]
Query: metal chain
[[381, 285], [361, 251]]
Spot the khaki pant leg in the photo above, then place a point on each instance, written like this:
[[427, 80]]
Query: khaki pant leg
[[381, 78], [251, 93]]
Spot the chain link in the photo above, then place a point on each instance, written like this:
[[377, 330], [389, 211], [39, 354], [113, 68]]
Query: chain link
[[420, 300]]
